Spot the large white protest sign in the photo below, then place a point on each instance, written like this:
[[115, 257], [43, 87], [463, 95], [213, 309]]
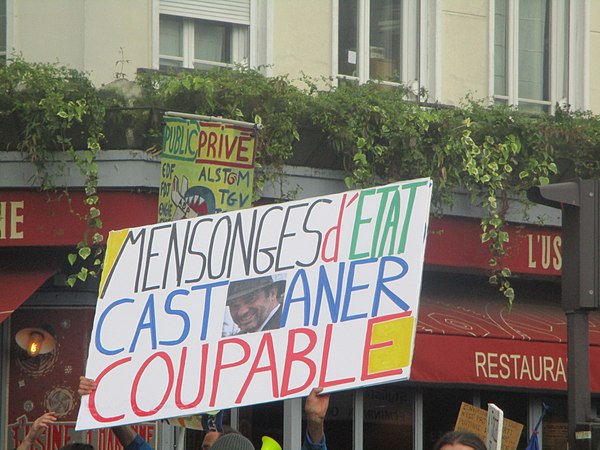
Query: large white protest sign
[[182, 325]]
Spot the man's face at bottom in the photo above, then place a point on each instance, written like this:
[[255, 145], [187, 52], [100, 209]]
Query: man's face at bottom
[[250, 311]]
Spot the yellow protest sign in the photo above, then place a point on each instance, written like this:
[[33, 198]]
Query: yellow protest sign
[[206, 167]]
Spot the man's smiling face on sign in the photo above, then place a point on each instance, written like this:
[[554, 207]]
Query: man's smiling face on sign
[[250, 311]]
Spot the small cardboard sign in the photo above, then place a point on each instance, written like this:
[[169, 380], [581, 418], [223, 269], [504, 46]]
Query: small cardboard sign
[[475, 420]]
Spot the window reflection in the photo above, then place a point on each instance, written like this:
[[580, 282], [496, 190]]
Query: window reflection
[[385, 39], [262, 420], [555, 424], [382, 37], [388, 417], [440, 411]]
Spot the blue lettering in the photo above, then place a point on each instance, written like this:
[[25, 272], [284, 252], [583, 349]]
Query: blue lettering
[[99, 345], [289, 299], [324, 286], [209, 287], [151, 324], [382, 280], [350, 288], [177, 312]]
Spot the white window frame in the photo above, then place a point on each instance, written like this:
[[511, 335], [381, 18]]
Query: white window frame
[[574, 32], [239, 38], [6, 53], [420, 45], [258, 37]]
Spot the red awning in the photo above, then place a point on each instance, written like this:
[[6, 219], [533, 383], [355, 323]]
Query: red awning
[[471, 337], [21, 276]]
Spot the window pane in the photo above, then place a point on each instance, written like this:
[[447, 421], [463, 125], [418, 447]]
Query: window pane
[[171, 36], [500, 47], [534, 107], [212, 41], [440, 410], [555, 424], [534, 39], [166, 63], [388, 417], [262, 420], [385, 39], [3, 26], [347, 37]]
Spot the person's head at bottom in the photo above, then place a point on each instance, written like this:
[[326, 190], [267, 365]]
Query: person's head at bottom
[[459, 440], [232, 441]]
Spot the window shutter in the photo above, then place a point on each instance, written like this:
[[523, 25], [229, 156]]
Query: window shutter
[[231, 11]]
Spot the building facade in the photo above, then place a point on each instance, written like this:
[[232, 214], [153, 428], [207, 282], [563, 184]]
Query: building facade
[[533, 54], [470, 348]]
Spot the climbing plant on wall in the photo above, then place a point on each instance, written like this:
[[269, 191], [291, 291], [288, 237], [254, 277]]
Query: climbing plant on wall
[[375, 133], [57, 118]]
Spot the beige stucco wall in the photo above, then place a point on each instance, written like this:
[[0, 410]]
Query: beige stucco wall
[[302, 38], [49, 31], [593, 64], [464, 49], [85, 34]]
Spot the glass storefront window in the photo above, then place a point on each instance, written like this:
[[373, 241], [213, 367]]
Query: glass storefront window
[[388, 418], [440, 411], [262, 420], [555, 424]]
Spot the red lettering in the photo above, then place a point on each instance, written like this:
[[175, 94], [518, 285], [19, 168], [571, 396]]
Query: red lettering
[[212, 139], [369, 345], [136, 381], [221, 143], [92, 399], [219, 366], [335, 229], [202, 377], [57, 437], [325, 360], [202, 139], [241, 148], [291, 357], [230, 148], [265, 343]]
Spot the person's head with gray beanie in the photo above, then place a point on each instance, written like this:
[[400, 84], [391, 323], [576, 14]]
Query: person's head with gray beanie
[[232, 441]]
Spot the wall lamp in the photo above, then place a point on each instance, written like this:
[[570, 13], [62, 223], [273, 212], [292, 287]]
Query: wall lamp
[[36, 341]]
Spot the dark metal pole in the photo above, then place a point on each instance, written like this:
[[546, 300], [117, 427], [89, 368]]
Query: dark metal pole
[[578, 371], [578, 365], [580, 280]]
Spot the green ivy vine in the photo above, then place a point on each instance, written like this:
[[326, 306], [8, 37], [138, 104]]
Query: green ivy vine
[[376, 133], [56, 110]]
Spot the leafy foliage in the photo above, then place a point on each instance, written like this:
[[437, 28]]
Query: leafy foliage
[[378, 132], [240, 94], [56, 109]]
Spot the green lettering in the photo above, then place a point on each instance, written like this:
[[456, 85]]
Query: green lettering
[[358, 221], [411, 201]]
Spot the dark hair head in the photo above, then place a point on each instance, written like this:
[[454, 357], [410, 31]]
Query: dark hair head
[[77, 446], [460, 437]]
